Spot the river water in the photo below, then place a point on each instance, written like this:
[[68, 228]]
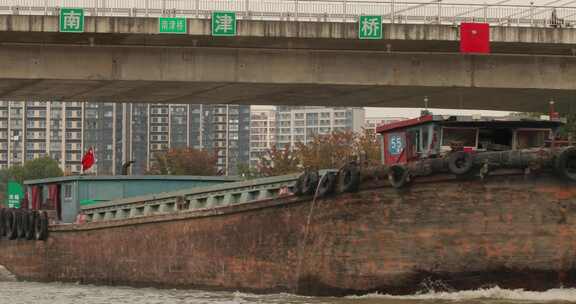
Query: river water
[[59, 293]]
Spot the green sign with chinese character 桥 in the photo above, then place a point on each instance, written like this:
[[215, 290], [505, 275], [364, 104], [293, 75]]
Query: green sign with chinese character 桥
[[370, 27], [223, 24], [71, 20], [15, 194], [172, 25]]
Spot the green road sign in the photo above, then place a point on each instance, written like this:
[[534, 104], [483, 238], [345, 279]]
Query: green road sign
[[223, 24], [370, 27], [172, 25], [71, 20], [15, 194]]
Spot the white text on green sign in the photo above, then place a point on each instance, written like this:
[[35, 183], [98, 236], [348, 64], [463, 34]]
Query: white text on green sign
[[72, 20], [223, 24], [172, 25], [370, 27], [15, 194]]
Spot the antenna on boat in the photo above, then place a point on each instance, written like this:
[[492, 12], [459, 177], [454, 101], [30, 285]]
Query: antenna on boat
[[552, 112], [425, 111]]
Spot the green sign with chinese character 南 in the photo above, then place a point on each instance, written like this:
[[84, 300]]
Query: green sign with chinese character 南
[[223, 24], [71, 20], [172, 25], [15, 194], [370, 27]]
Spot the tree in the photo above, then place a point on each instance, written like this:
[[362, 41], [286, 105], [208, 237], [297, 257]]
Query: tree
[[41, 168], [245, 171], [278, 162], [368, 146], [330, 151], [38, 168], [184, 161], [327, 151]]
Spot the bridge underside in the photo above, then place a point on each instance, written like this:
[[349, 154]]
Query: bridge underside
[[285, 77], [286, 94]]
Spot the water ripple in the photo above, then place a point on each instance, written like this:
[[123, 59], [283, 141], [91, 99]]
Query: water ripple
[[60, 293]]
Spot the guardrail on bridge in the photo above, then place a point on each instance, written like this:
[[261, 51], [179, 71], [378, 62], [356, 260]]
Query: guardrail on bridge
[[433, 12]]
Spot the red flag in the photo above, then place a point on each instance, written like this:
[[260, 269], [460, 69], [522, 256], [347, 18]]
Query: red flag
[[475, 38], [88, 159]]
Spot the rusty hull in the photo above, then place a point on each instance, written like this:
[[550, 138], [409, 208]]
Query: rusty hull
[[513, 231]]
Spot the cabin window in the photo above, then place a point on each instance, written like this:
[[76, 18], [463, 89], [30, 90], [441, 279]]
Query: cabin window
[[495, 139], [425, 139], [68, 191], [435, 139], [459, 137], [531, 138], [414, 136]]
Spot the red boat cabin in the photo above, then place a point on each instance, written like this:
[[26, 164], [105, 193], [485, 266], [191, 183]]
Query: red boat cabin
[[431, 136]]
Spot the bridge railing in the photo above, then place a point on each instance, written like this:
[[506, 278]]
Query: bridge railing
[[432, 12]]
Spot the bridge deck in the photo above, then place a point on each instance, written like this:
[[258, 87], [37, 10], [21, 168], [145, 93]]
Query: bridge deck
[[284, 62]]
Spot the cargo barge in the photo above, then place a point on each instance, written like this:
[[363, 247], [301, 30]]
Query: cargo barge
[[464, 201]]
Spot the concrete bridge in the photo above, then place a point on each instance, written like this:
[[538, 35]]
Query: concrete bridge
[[284, 62]]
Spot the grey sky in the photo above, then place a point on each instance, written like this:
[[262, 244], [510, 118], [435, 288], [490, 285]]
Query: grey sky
[[412, 112]]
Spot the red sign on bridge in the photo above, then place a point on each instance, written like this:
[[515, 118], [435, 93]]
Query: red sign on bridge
[[475, 38]]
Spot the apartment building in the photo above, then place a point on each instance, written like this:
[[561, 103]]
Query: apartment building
[[30, 130], [121, 132], [225, 129], [301, 124], [262, 133], [138, 131]]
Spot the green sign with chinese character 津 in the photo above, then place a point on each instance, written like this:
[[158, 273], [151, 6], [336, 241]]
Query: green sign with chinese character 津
[[15, 194], [71, 20], [223, 24], [370, 27], [172, 25]]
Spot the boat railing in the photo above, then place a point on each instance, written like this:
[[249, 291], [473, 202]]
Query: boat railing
[[192, 199]]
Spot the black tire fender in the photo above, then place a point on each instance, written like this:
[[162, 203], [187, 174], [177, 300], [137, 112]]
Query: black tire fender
[[565, 164], [2, 224], [297, 188], [30, 228], [349, 178], [10, 224], [398, 176], [327, 184], [309, 182], [460, 162], [22, 223], [41, 226]]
